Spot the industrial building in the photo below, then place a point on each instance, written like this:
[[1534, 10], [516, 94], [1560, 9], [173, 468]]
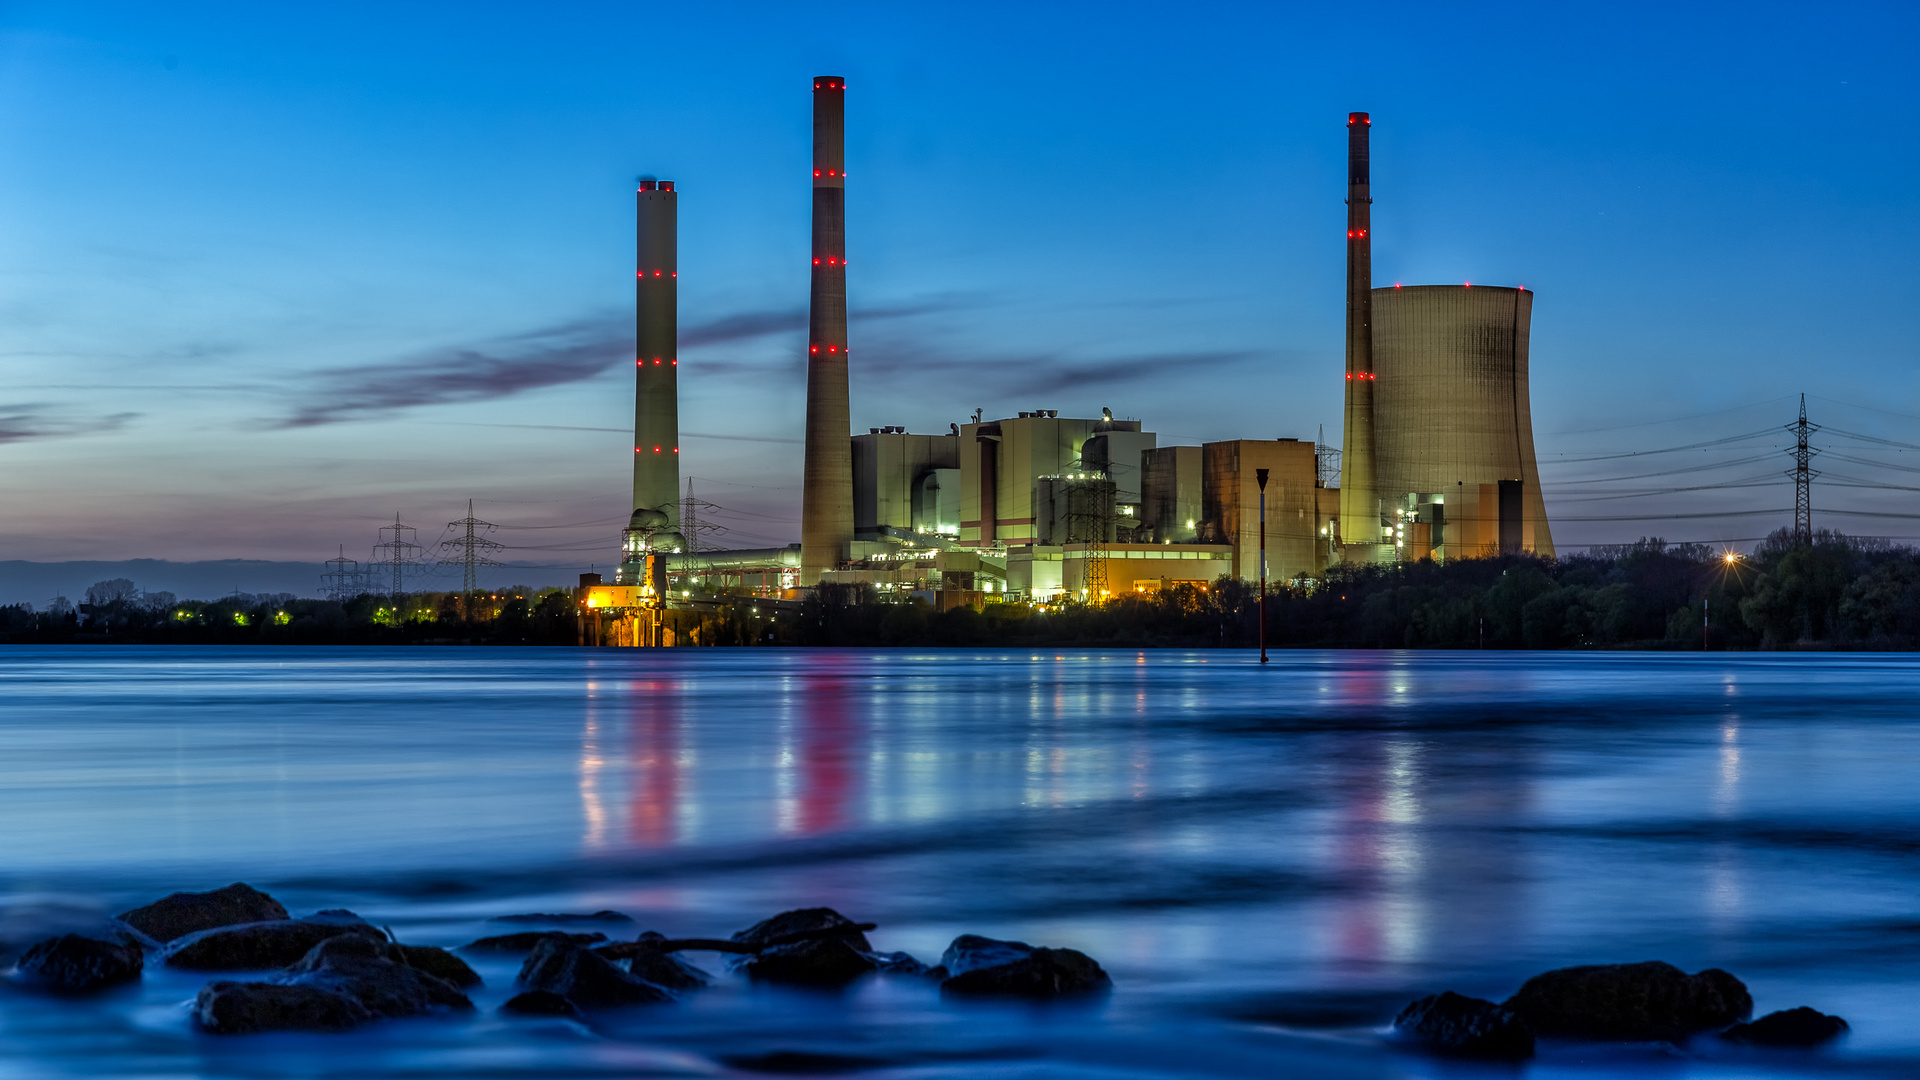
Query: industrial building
[[1437, 457], [1438, 460]]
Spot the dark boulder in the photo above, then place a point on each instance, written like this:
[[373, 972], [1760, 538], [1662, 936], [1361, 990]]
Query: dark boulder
[[371, 972], [245, 1008], [899, 963], [1630, 1002], [71, 964], [984, 967], [338, 917], [184, 913], [565, 919], [1801, 1027], [439, 963], [524, 942], [663, 968], [584, 977], [818, 962], [540, 1003], [804, 923], [1458, 1026], [255, 946]]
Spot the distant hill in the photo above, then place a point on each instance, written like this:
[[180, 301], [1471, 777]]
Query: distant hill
[[37, 582]]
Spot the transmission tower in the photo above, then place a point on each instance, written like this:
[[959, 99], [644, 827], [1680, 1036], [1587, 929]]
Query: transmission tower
[[397, 549], [1326, 461], [1090, 515], [691, 511], [343, 579], [468, 550], [1802, 476]]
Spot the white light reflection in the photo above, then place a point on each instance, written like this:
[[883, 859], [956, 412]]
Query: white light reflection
[[591, 763], [1726, 796]]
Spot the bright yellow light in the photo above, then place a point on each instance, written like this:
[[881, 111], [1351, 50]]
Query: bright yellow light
[[1731, 557]]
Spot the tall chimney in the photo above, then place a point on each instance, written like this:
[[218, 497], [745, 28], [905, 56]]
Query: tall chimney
[[826, 499], [656, 394], [1359, 505]]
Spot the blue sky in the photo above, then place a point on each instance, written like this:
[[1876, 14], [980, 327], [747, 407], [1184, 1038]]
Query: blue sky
[[271, 273]]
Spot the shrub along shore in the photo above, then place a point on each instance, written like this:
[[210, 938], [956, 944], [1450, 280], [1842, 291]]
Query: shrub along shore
[[1837, 592]]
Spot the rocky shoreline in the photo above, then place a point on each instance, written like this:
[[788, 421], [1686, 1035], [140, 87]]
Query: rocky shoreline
[[333, 971]]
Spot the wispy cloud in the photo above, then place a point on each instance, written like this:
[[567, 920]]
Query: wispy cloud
[[535, 359], [19, 423], [512, 364]]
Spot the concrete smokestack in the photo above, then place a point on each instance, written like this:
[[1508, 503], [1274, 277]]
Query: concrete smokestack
[[1359, 503], [826, 500], [656, 392]]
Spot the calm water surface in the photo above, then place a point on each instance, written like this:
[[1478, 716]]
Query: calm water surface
[[1270, 862]]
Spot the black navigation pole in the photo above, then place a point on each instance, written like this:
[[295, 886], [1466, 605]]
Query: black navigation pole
[[1261, 475]]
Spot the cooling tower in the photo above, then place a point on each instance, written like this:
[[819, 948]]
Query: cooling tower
[[826, 499], [656, 394], [1452, 427]]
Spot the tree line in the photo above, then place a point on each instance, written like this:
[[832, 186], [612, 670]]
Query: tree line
[[1833, 591]]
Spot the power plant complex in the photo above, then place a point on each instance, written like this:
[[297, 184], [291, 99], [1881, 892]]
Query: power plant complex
[[1436, 462]]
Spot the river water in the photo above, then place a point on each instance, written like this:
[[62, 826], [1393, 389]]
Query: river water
[[1269, 861]]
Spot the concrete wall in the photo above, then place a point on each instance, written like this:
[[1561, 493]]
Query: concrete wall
[[1170, 494], [1451, 408], [1230, 496], [887, 467], [1024, 449]]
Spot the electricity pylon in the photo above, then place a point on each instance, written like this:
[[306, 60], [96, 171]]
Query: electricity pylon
[[343, 579], [467, 550], [1802, 476], [398, 551]]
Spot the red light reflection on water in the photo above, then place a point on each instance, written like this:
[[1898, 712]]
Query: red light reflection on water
[[828, 733], [653, 760]]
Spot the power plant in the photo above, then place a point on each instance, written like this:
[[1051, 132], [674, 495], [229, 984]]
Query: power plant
[[1437, 458]]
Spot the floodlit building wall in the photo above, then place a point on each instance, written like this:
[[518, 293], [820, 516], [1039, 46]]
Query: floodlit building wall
[[1230, 497], [1118, 454], [999, 462], [888, 467], [1170, 493], [1452, 418]]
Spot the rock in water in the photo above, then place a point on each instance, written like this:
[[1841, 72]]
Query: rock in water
[[1801, 1027], [818, 962], [369, 971], [565, 919], [984, 967], [808, 923], [584, 977], [71, 964], [540, 1003], [1460, 1026], [899, 963], [245, 1008], [665, 969], [439, 963], [1630, 1002], [258, 945], [184, 913], [524, 942]]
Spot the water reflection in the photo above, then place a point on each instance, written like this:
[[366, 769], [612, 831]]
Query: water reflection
[[654, 761]]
